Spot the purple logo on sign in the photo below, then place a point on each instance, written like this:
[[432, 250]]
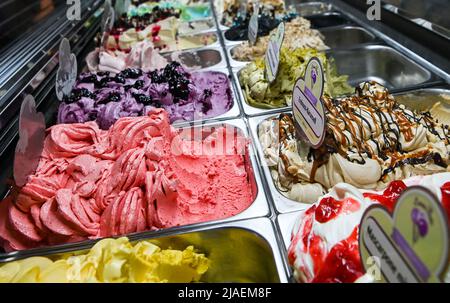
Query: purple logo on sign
[[419, 218]]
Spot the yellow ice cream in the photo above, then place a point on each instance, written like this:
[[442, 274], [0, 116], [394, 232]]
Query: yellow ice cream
[[111, 260]]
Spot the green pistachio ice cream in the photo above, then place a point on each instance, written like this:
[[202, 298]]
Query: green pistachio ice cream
[[259, 93]]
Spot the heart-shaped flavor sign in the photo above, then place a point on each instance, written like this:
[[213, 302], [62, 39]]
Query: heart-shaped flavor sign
[[31, 141], [307, 105], [411, 245], [67, 71]]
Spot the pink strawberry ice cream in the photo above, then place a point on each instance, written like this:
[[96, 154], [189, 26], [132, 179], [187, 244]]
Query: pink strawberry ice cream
[[141, 174], [324, 245]]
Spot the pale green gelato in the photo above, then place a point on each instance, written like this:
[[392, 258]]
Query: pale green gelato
[[259, 93]]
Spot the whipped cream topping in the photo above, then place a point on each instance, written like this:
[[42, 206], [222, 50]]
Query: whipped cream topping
[[324, 245]]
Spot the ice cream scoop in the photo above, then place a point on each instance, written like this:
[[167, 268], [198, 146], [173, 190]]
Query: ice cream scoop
[[370, 141], [141, 174], [258, 92], [186, 96], [324, 246], [110, 261], [298, 34]]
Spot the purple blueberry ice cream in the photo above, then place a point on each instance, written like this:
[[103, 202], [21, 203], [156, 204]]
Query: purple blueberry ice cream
[[185, 96]]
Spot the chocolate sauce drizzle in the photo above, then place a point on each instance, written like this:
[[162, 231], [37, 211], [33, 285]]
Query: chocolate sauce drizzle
[[348, 125]]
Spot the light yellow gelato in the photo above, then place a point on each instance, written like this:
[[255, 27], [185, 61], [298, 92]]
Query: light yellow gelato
[[111, 260]]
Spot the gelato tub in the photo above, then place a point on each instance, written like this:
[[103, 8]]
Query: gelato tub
[[333, 37], [90, 212], [104, 98], [379, 63], [266, 127], [222, 245]]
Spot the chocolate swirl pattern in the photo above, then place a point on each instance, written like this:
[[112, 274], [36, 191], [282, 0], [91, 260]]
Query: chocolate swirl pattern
[[370, 140]]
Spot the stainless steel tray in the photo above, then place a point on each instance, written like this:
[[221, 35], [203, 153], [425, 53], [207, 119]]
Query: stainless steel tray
[[212, 32], [337, 37], [423, 99], [382, 64], [242, 251], [318, 21], [346, 36], [327, 20], [371, 62], [311, 8], [259, 207], [285, 224], [199, 58], [234, 111], [281, 203]]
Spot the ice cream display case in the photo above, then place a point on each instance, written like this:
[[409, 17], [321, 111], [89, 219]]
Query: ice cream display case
[[145, 141]]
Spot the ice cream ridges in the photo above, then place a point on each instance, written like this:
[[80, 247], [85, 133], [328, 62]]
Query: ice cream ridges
[[298, 34], [185, 96], [370, 140], [259, 93], [324, 243], [110, 261], [141, 174]]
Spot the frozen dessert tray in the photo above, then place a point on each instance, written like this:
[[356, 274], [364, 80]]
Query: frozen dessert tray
[[381, 63], [282, 204], [200, 58], [223, 244], [336, 37], [435, 100], [234, 111], [259, 206]]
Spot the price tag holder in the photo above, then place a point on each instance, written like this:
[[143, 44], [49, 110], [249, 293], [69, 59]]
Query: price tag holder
[[411, 243], [307, 104], [66, 75], [31, 141], [272, 57], [253, 24]]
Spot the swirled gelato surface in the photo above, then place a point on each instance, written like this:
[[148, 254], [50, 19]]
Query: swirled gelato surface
[[370, 141], [258, 92], [142, 55], [324, 246], [141, 174], [298, 34], [110, 261], [167, 35], [185, 96]]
